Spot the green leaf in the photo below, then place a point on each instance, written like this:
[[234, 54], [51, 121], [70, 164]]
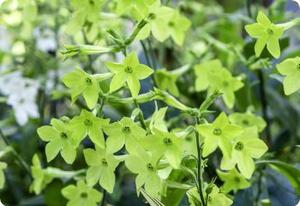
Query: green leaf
[[290, 171]]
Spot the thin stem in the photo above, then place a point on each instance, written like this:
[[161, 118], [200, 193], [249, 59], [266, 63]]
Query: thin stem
[[18, 157], [199, 166], [103, 198], [141, 115], [259, 188]]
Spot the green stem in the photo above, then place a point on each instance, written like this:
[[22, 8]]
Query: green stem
[[141, 115], [18, 157], [199, 166], [136, 31], [209, 101]]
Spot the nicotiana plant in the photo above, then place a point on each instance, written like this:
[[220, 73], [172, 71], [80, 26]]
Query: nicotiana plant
[[204, 155]]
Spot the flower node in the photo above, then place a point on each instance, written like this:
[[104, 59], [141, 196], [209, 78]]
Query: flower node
[[150, 167], [239, 146], [104, 162], [171, 24], [217, 131], [270, 31], [152, 16], [128, 69], [126, 130], [88, 122], [84, 195], [63, 135], [245, 122], [167, 141], [88, 81]]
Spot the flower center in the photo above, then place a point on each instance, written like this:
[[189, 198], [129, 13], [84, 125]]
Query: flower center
[[299, 66], [239, 146], [63, 135], [126, 130], [84, 195], [237, 179], [150, 167], [171, 24], [88, 122], [217, 131], [152, 16], [88, 81], [104, 162], [225, 84], [270, 31], [245, 122], [128, 69], [167, 141]]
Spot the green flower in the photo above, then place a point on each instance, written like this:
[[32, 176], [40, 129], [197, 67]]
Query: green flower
[[145, 165], [290, 68], [233, 180], [60, 140], [158, 19], [124, 132], [214, 198], [218, 134], [166, 144], [248, 120], [81, 195], [130, 71], [166, 80], [213, 76], [157, 121], [88, 124], [3, 165], [137, 8], [102, 164], [83, 83], [40, 176], [84, 11], [177, 27], [245, 147], [266, 33]]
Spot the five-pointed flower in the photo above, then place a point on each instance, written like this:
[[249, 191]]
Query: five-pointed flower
[[81, 195], [60, 139], [291, 69], [167, 144], [102, 164], [83, 83], [40, 177], [125, 131], [245, 147], [137, 8], [88, 124], [266, 33], [144, 164], [247, 120], [130, 71], [219, 133], [233, 180], [167, 81]]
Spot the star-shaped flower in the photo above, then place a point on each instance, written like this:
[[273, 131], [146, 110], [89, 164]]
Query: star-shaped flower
[[167, 144], [166, 80], [145, 165], [245, 147], [125, 131], [130, 71], [81, 195], [219, 134], [248, 120], [137, 8], [266, 33], [233, 180], [88, 124], [102, 164], [290, 68], [60, 139], [83, 83]]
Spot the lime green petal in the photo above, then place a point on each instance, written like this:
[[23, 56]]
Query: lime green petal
[[68, 153], [260, 45], [263, 19], [69, 192], [291, 83], [91, 157], [132, 59], [226, 147], [159, 31], [274, 47], [53, 148], [229, 98], [210, 145], [221, 120], [107, 180], [47, 133], [115, 143], [74, 78], [255, 30], [227, 164], [115, 67], [142, 71], [245, 164], [97, 137], [134, 85], [91, 95], [58, 124], [153, 185], [93, 175], [178, 37], [117, 81], [135, 164], [288, 66], [174, 156], [140, 181], [144, 32], [256, 147]]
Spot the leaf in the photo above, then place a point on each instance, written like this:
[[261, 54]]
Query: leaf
[[151, 200], [290, 171]]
